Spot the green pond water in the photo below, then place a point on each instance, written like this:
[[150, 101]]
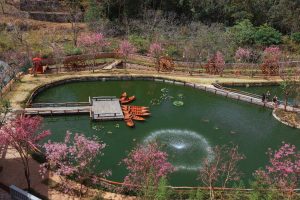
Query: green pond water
[[274, 90], [186, 132]]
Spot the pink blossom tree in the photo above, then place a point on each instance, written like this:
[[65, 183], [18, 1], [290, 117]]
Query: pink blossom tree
[[271, 58], [146, 166], [216, 64], [242, 56], [156, 50], [125, 49], [93, 43], [222, 170], [73, 158], [21, 135], [283, 170]]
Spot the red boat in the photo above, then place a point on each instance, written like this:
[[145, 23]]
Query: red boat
[[141, 113], [129, 122], [123, 96], [138, 118], [128, 100], [134, 107]]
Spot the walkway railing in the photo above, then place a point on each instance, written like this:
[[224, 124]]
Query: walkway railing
[[64, 104]]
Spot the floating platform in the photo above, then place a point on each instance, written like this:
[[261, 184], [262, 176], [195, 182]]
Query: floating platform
[[106, 108]]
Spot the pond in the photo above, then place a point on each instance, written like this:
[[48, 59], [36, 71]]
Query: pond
[[187, 131], [273, 89]]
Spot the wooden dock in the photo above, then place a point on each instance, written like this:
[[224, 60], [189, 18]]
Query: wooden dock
[[106, 108], [99, 108]]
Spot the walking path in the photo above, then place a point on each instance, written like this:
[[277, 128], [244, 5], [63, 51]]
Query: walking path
[[4, 195]]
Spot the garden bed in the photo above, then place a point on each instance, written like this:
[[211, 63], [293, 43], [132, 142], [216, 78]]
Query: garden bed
[[288, 118]]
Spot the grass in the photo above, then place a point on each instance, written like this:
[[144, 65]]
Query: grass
[[291, 118]]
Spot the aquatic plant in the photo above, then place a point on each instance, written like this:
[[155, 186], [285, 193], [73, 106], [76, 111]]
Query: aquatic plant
[[178, 103]]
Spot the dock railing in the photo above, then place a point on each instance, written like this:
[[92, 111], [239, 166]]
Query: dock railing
[[64, 104]]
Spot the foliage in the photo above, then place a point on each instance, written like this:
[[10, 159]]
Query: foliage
[[296, 37], [70, 50], [222, 170], [146, 165], [5, 109], [172, 51], [243, 32], [93, 13], [163, 192], [141, 43], [73, 158], [283, 15], [266, 35], [283, 171], [198, 194], [21, 134]]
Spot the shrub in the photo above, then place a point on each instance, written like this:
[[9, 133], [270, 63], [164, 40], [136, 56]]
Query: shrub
[[140, 43], [266, 35], [296, 37], [243, 32], [172, 51], [93, 14], [70, 50]]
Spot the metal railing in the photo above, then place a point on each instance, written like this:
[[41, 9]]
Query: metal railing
[[18, 194], [64, 104]]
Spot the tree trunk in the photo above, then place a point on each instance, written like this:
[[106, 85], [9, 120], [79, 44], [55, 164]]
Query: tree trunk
[[285, 103], [27, 174], [2, 7]]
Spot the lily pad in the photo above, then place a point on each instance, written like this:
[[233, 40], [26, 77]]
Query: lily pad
[[164, 90], [178, 103], [180, 96]]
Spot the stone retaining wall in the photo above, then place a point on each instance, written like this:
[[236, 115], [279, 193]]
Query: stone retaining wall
[[207, 88], [41, 5]]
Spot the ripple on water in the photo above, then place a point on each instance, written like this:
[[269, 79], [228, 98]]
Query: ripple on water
[[186, 149]]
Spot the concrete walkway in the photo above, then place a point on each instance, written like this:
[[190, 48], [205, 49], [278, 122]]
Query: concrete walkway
[[4, 195]]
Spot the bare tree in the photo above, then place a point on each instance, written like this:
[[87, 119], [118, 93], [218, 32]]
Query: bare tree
[[191, 55], [75, 14], [222, 170], [2, 4], [290, 83]]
